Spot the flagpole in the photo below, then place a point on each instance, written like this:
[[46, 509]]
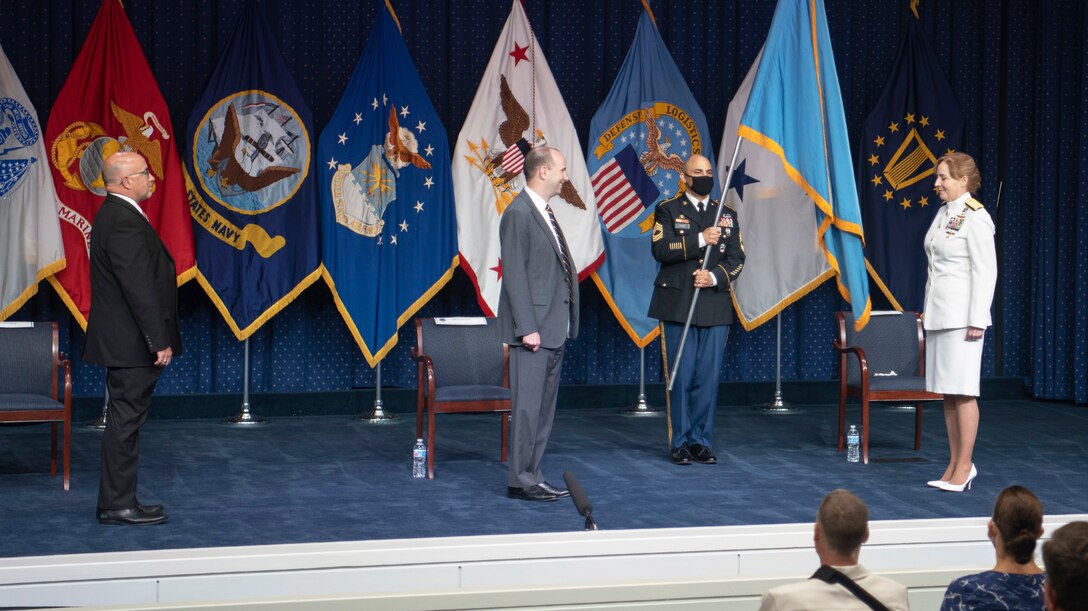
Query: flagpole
[[641, 407], [706, 260], [777, 405], [245, 417], [378, 415]]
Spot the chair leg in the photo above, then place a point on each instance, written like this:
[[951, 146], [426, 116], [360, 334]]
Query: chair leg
[[505, 433], [67, 452], [419, 419], [53, 449], [842, 419], [431, 443], [865, 430], [917, 426]]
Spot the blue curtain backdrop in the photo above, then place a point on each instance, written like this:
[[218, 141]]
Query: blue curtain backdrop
[[1019, 69]]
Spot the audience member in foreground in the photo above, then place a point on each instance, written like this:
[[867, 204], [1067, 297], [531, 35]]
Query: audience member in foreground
[[1066, 559]]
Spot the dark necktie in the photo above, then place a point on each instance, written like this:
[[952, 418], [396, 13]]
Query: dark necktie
[[700, 206], [563, 250]]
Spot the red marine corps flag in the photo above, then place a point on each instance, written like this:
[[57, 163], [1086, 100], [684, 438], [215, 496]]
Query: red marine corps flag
[[111, 103]]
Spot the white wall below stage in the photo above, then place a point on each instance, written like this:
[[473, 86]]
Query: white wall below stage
[[726, 567]]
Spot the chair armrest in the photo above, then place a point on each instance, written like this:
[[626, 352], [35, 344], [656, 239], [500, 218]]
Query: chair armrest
[[863, 362]]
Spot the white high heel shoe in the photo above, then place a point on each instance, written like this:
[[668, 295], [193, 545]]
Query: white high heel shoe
[[936, 483], [950, 487]]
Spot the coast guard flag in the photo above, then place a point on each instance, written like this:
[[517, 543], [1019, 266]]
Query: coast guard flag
[[248, 175], [386, 194], [30, 244], [640, 138], [915, 121], [793, 187], [111, 102], [517, 107]]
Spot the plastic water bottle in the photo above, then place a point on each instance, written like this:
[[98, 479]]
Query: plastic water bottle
[[853, 443], [419, 460]]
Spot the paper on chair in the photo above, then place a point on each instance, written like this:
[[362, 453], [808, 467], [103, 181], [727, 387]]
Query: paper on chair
[[462, 321]]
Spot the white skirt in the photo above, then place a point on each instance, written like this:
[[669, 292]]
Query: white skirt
[[953, 364]]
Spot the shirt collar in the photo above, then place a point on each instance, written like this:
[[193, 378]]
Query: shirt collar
[[131, 202], [955, 205], [537, 200], [695, 201]]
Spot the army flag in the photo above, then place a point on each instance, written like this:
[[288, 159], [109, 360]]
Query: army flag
[[30, 244], [111, 102], [517, 107], [248, 176], [387, 213], [793, 186], [915, 121], [640, 138]]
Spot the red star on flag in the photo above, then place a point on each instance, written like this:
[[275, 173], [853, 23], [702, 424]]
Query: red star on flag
[[519, 53], [498, 269]]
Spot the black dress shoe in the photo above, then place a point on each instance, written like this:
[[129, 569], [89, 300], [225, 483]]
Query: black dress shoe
[[155, 510], [702, 454], [132, 517], [681, 456], [556, 490], [532, 493]]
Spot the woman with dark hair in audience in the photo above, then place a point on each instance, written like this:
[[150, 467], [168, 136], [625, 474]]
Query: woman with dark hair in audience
[[1015, 582]]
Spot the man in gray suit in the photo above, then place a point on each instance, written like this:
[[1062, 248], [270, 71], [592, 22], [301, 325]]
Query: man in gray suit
[[538, 312]]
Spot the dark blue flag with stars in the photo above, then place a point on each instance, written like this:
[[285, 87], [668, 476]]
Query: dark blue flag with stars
[[248, 177], [916, 120], [387, 215]]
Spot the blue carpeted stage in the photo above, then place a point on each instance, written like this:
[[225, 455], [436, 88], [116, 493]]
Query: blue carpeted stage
[[332, 478]]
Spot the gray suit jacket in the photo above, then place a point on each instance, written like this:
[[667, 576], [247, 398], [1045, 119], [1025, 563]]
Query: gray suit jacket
[[534, 292]]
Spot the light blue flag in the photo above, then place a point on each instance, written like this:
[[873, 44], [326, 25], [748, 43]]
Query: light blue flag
[[640, 138], [795, 112], [387, 215]]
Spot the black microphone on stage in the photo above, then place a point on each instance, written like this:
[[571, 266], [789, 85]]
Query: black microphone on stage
[[581, 501]]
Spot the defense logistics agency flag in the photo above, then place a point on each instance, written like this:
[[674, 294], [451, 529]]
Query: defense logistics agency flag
[[793, 186], [386, 195], [640, 138], [111, 102], [30, 244], [915, 121], [517, 107], [248, 176]]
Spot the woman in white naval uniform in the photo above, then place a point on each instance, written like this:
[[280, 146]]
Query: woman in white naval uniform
[[960, 289]]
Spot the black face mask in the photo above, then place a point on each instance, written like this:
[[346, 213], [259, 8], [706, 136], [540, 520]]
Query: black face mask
[[701, 185]]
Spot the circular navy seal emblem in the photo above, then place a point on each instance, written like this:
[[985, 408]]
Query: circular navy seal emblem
[[18, 132], [251, 152]]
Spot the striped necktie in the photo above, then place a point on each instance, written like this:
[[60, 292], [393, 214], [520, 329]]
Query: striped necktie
[[563, 250]]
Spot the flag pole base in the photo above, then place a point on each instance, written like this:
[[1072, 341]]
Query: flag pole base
[[642, 409], [245, 418], [777, 406], [378, 415]]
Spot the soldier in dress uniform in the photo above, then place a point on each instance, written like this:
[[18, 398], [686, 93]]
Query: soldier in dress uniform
[[683, 227]]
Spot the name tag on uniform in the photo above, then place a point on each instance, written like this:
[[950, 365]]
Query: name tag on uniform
[[681, 224]]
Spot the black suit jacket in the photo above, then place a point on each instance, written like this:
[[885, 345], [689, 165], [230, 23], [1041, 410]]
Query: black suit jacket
[[134, 295], [675, 243], [534, 288]]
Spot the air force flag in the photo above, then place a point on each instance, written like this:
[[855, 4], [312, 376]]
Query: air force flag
[[386, 195]]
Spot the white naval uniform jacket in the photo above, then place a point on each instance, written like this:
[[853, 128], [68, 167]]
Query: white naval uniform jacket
[[962, 266]]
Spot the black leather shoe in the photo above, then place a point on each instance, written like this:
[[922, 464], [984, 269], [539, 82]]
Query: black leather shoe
[[131, 517], [702, 454], [532, 493], [155, 510], [556, 490], [681, 456]]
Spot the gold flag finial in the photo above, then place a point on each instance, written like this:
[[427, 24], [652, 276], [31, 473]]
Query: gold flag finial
[[914, 8], [646, 5]]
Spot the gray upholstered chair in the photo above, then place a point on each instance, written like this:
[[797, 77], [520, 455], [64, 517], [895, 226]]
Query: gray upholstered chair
[[885, 361], [461, 368], [30, 359]]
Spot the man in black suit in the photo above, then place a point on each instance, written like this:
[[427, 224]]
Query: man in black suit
[[132, 328], [538, 311], [683, 227]]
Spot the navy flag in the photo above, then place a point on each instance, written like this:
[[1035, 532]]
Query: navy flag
[[387, 213], [248, 177], [640, 138], [916, 120]]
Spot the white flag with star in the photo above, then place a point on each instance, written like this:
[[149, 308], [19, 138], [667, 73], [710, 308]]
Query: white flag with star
[[517, 106]]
